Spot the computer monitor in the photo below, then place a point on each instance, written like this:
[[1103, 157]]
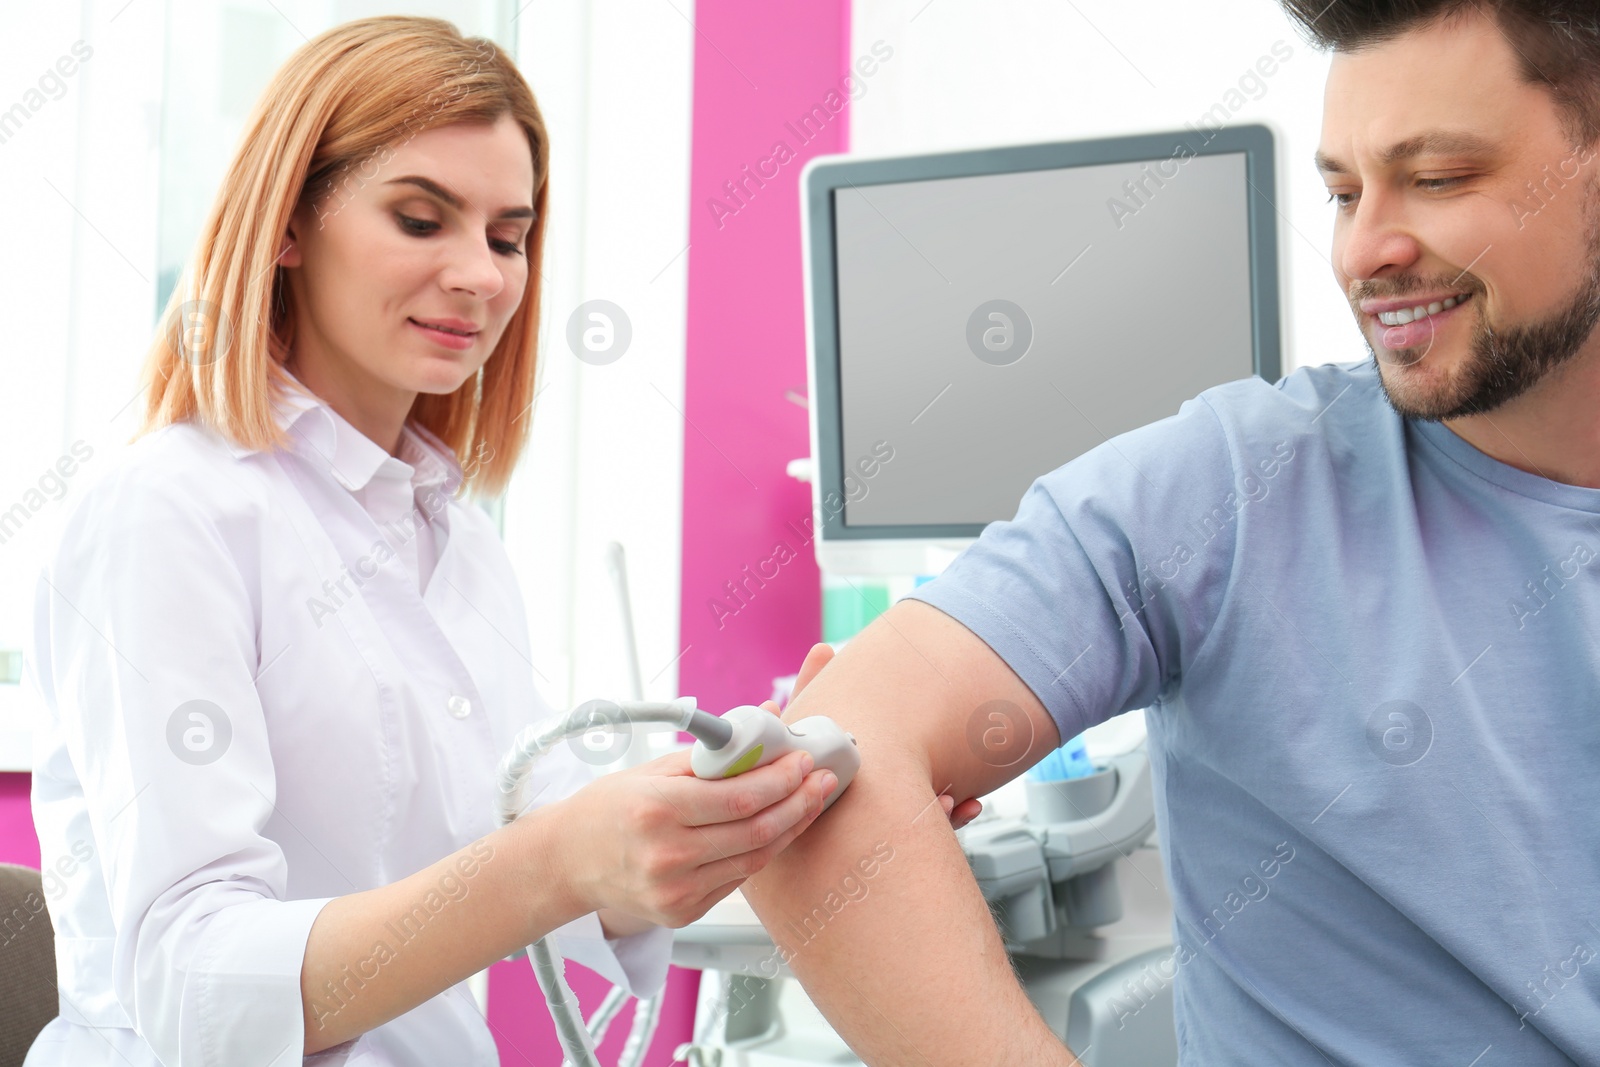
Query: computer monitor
[[976, 319]]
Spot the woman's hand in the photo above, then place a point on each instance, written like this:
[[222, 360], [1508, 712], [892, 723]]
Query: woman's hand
[[618, 922], [657, 846], [660, 844], [959, 814]]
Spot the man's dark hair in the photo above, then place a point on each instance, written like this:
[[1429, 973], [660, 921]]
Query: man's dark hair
[[1557, 41]]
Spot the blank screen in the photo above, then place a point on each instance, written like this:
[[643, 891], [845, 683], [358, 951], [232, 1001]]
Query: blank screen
[[1132, 310]]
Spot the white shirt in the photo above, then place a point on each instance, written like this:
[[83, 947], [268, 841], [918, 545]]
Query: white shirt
[[248, 704]]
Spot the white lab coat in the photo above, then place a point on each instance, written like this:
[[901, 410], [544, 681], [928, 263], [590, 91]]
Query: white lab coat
[[245, 707]]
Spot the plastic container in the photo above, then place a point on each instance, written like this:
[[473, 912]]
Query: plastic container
[[1071, 760], [849, 604]]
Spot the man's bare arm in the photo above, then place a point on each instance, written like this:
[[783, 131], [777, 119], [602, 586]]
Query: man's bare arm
[[904, 958]]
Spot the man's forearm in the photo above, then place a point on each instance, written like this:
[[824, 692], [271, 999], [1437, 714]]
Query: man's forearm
[[875, 909]]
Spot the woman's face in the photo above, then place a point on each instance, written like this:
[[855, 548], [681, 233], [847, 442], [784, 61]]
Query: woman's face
[[432, 230]]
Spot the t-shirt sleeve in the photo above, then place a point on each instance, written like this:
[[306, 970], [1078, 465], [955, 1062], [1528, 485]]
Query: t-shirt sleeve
[[1108, 578], [144, 639]]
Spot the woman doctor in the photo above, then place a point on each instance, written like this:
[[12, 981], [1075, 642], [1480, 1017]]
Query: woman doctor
[[278, 658]]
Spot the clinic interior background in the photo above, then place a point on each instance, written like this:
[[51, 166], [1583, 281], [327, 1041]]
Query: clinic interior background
[[678, 449]]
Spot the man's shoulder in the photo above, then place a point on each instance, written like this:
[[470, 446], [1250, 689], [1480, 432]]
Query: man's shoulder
[[1336, 410], [1314, 401], [1330, 421]]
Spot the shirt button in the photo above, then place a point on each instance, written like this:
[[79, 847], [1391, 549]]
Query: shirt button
[[459, 706]]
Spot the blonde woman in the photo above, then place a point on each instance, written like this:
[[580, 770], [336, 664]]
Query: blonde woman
[[278, 657]]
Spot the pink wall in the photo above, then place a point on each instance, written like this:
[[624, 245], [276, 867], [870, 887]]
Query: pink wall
[[758, 69], [18, 843], [749, 613]]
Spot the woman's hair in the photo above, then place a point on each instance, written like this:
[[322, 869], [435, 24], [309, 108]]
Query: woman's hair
[[330, 116], [1557, 42]]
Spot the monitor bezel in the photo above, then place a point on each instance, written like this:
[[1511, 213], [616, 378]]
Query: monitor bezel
[[823, 175]]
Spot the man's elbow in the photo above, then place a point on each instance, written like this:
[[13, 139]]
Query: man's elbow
[[928, 702]]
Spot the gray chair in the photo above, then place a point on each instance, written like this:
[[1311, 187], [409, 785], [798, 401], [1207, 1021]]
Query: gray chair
[[27, 962]]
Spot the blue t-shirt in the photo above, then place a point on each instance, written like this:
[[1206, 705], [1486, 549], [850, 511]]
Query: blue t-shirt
[[1369, 656]]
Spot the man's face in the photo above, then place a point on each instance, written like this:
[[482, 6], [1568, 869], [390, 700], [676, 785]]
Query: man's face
[[1511, 221]]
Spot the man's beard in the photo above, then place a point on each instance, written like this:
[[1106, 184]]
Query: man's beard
[[1501, 364]]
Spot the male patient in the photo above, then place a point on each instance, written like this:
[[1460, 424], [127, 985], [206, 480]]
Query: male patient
[[1360, 605]]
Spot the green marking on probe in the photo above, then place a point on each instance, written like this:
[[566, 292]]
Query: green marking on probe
[[744, 762]]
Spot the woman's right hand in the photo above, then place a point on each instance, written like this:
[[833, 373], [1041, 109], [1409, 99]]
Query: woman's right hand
[[658, 843]]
